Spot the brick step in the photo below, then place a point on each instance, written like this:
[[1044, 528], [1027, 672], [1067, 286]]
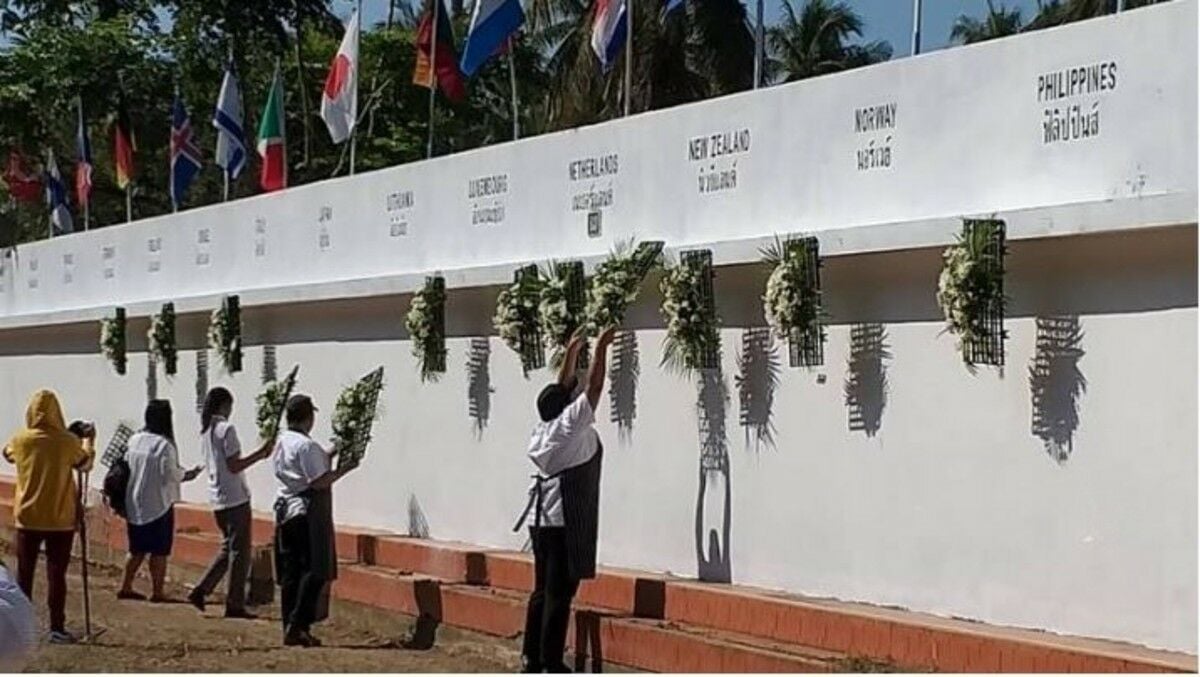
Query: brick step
[[598, 635], [871, 632]]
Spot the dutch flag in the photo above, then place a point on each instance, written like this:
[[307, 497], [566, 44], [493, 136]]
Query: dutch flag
[[608, 31], [491, 24]]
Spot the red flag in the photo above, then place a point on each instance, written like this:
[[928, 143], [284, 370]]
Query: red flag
[[450, 78], [22, 186]]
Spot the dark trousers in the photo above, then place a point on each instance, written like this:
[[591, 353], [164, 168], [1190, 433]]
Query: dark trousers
[[58, 557], [549, 609], [234, 556], [300, 589]]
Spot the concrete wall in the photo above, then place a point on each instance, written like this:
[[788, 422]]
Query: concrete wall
[[939, 497]]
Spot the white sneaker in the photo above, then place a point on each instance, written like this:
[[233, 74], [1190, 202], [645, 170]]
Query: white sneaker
[[64, 637]]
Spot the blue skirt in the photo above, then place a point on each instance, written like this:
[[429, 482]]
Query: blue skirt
[[154, 538]]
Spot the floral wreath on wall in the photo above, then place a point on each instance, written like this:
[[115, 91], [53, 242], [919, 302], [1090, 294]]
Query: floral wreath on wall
[[426, 327], [112, 339], [225, 334], [161, 338], [517, 320], [693, 338]]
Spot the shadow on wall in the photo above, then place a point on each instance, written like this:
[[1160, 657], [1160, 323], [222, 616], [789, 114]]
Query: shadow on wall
[[270, 364], [479, 383], [713, 560], [866, 386], [1056, 384], [418, 526], [201, 378], [622, 383], [757, 379], [151, 377]]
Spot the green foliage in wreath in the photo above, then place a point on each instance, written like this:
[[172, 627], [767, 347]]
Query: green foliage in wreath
[[616, 282], [225, 334], [112, 339], [971, 285], [692, 324], [428, 341], [161, 338], [791, 303], [517, 316]]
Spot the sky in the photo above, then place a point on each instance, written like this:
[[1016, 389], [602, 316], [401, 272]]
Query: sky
[[889, 20]]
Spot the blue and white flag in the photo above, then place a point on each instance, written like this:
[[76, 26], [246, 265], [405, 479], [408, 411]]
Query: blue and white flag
[[56, 198], [231, 144], [492, 22], [670, 6], [185, 156]]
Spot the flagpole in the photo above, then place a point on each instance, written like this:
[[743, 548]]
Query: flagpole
[[46, 177], [86, 203], [916, 34], [512, 81], [128, 203], [758, 45], [357, 77], [628, 52], [433, 82]]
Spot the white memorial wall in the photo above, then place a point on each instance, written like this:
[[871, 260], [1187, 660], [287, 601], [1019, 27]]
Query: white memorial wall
[[890, 475]]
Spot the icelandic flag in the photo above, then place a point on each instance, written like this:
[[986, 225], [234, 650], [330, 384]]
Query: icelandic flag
[[83, 165], [491, 24], [185, 157], [227, 118], [609, 30], [56, 198]]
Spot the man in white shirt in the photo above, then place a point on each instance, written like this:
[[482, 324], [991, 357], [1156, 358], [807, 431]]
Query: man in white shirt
[[305, 555], [564, 501]]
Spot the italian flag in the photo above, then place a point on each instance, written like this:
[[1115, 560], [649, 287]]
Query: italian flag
[[271, 141]]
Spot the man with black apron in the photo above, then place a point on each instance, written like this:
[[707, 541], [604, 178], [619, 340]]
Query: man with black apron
[[564, 503], [305, 553]]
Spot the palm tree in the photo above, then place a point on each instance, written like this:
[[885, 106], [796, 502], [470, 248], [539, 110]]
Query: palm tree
[[814, 43], [998, 23], [703, 51]]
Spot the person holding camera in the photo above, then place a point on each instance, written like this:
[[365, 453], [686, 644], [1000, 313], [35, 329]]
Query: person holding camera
[[45, 505]]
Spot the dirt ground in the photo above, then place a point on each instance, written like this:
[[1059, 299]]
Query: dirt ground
[[144, 637]]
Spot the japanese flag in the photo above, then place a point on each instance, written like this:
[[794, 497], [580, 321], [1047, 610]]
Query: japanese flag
[[339, 102]]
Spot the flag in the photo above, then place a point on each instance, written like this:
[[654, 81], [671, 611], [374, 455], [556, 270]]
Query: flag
[[671, 6], [608, 30], [83, 165], [227, 118], [185, 157], [449, 78], [491, 24], [271, 140], [22, 186], [56, 198], [339, 101], [124, 145]]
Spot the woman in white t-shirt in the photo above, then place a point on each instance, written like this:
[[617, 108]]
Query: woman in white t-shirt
[[154, 478], [230, 498]]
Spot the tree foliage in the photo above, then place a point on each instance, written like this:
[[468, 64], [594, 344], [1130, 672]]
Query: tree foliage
[[55, 54]]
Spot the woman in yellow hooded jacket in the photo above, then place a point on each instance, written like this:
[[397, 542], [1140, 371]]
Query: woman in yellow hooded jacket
[[46, 455]]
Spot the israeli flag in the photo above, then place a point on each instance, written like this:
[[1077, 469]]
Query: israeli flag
[[231, 144]]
